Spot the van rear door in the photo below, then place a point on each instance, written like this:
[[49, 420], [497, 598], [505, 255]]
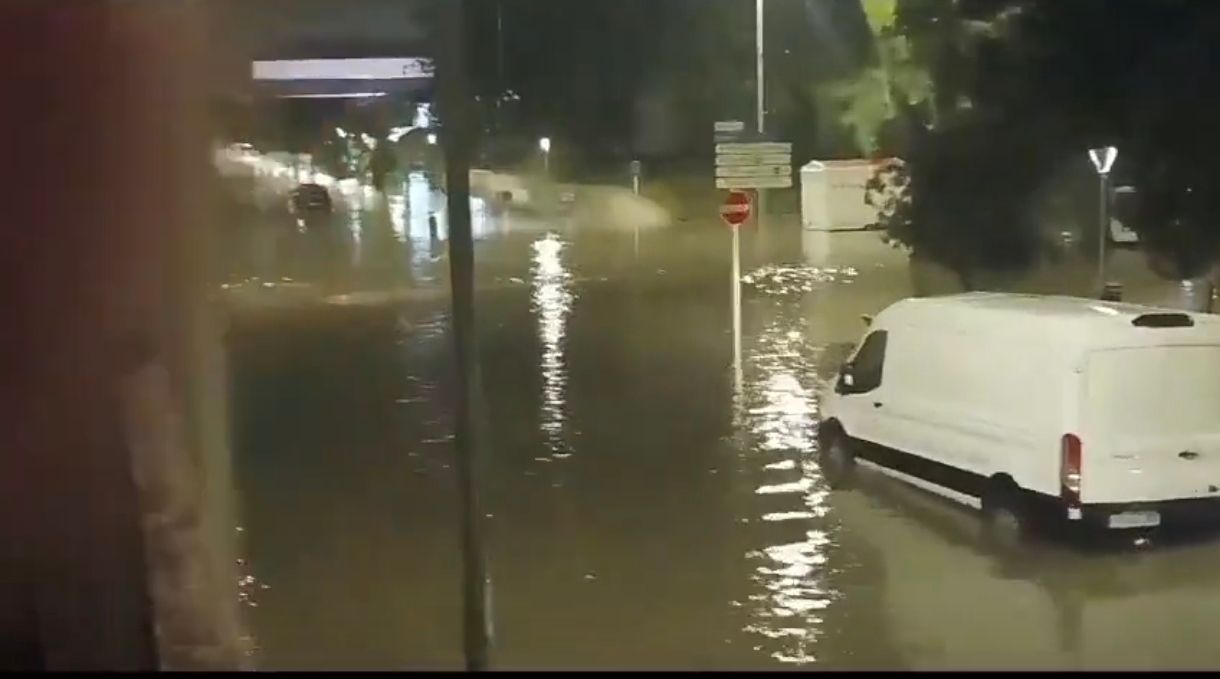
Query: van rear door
[[1152, 424]]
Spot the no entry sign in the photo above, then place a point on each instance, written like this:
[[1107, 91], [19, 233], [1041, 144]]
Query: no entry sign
[[736, 209]]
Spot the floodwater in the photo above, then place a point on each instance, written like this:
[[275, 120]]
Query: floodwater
[[642, 514]]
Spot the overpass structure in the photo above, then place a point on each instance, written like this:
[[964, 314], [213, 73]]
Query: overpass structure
[[342, 78]]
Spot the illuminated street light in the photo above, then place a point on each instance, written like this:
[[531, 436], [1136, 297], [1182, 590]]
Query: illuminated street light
[[341, 132], [1103, 160], [432, 139], [544, 144]]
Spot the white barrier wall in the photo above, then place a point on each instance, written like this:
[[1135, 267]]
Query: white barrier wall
[[832, 194]]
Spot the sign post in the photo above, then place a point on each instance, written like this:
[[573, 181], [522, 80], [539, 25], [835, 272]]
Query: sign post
[[736, 211], [636, 169], [745, 161]]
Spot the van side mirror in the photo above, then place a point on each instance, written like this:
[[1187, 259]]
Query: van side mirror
[[847, 379]]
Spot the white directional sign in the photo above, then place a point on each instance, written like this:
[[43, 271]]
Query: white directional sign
[[754, 182], [754, 171], [753, 159], [753, 165], [754, 147], [728, 126]]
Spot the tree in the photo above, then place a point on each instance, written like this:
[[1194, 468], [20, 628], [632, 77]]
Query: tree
[[1020, 89]]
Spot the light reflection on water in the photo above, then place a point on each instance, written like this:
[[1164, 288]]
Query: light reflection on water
[[419, 200], [552, 299], [781, 279], [398, 207], [779, 421]]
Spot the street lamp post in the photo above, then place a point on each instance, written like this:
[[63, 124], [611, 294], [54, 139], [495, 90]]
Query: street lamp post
[[1103, 160], [760, 112]]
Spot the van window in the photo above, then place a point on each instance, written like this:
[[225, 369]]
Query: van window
[[869, 362]]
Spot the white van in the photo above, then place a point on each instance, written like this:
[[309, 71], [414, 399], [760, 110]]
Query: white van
[[1035, 408]]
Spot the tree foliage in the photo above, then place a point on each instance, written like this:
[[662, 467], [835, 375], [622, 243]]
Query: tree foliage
[[1019, 90]]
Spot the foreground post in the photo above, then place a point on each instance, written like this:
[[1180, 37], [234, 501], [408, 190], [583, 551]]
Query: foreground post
[[455, 109]]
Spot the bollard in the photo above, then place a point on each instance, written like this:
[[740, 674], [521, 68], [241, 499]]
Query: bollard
[[1112, 292]]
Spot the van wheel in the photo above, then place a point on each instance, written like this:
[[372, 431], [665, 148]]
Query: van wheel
[[1004, 524], [838, 460]]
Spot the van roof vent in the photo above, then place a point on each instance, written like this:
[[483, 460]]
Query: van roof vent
[[1163, 320]]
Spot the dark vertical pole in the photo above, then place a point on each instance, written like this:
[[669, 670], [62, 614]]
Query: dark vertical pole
[[499, 64], [455, 116], [1103, 229], [500, 46]]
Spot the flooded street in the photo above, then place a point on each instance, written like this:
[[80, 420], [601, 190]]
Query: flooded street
[[643, 515]]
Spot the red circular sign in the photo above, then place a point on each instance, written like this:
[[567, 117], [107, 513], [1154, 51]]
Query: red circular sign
[[736, 208]]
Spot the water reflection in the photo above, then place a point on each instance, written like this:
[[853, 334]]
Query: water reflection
[[422, 225], [398, 208], [419, 200], [781, 279], [779, 420], [355, 228], [552, 302]]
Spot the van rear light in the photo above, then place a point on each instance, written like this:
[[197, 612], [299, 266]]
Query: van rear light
[[1069, 469]]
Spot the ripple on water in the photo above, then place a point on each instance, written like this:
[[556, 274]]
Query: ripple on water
[[789, 279], [778, 428]]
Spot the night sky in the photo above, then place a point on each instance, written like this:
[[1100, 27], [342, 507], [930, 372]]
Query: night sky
[[591, 71]]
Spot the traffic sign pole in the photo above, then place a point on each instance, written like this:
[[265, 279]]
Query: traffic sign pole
[[736, 287], [735, 212]]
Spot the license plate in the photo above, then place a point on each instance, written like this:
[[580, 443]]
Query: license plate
[[1135, 519]]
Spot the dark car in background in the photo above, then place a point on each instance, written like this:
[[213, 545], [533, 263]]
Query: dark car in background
[[309, 199]]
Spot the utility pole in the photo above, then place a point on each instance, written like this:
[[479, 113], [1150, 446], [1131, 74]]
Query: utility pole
[[500, 45], [760, 113], [499, 63], [456, 105]]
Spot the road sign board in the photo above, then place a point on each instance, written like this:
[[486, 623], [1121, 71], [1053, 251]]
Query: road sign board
[[754, 171], [636, 168], [754, 159], [754, 182], [736, 209], [754, 147], [728, 131]]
